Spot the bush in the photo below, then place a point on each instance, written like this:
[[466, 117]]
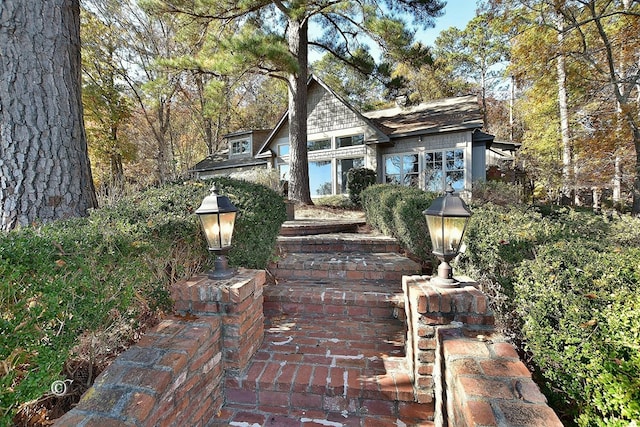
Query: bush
[[566, 285], [357, 180], [397, 211], [107, 275]]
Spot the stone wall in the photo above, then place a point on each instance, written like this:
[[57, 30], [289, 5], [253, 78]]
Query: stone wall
[[174, 376]]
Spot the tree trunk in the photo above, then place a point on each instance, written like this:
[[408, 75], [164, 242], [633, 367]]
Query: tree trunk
[[298, 159], [563, 103], [44, 166]]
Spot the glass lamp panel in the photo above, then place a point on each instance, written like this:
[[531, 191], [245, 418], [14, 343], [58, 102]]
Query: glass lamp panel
[[436, 232], [211, 227], [227, 221], [453, 228]]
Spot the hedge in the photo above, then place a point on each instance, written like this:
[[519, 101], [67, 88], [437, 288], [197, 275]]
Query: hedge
[[566, 286], [103, 276], [397, 211]]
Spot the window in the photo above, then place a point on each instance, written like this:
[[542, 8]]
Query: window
[[283, 150], [402, 169], [320, 182], [348, 141], [343, 167], [239, 147], [444, 167], [323, 144], [283, 171]]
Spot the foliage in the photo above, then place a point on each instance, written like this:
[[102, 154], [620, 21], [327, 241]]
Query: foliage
[[397, 211], [106, 272], [496, 192], [565, 284], [357, 180]]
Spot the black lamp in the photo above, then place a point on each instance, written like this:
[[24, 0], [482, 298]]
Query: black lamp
[[447, 219], [217, 215]]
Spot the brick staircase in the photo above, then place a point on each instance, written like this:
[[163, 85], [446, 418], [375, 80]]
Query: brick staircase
[[333, 351]]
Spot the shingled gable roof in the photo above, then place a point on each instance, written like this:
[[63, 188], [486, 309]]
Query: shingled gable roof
[[381, 136], [221, 161], [442, 115]]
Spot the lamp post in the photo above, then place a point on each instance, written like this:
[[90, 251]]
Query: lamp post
[[217, 215], [447, 219]]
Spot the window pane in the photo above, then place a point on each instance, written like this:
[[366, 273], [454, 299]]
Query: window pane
[[283, 149], [456, 179], [323, 144], [392, 165], [348, 141], [392, 179], [320, 178], [344, 165], [283, 171], [410, 163]]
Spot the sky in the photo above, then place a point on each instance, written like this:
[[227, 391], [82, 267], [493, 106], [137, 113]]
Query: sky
[[457, 13]]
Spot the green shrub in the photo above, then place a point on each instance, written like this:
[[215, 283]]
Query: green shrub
[[397, 211], [579, 309], [565, 285], [105, 274], [357, 180]]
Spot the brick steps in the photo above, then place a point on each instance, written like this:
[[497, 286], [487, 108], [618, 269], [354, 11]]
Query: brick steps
[[344, 266], [334, 347], [338, 242], [334, 369], [364, 300], [316, 226]]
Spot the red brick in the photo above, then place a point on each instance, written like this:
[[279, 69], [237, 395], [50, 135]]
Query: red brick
[[379, 407], [140, 406], [478, 412], [463, 347], [504, 350], [524, 414], [404, 387], [273, 398], [480, 386], [285, 379], [415, 411], [504, 368], [319, 381], [303, 376], [306, 400], [241, 396]]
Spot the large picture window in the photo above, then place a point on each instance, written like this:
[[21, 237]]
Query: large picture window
[[343, 167], [320, 181], [402, 169], [442, 168]]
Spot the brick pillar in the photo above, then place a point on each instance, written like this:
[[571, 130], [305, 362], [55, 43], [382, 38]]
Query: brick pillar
[[238, 301], [430, 308]]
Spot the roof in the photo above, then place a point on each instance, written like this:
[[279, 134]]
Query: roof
[[441, 115], [220, 161]]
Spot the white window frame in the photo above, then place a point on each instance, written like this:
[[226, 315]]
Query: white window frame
[[446, 172], [232, 147]]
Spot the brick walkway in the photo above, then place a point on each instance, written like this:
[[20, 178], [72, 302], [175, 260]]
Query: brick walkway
[[333, 352]]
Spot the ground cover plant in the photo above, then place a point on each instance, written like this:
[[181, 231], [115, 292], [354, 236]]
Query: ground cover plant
[[75, 293]]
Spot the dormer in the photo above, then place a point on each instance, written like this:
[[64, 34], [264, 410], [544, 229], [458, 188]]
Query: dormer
[[245, 144]]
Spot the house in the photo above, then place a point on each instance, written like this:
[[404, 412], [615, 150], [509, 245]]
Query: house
[[427, 145], [238, 156]]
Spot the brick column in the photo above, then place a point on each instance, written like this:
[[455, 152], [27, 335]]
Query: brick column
[[237, 300], [430, 308]]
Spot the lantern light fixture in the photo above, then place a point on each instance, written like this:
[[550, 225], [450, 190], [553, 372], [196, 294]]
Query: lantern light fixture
[[217, 215], [447, 219]]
